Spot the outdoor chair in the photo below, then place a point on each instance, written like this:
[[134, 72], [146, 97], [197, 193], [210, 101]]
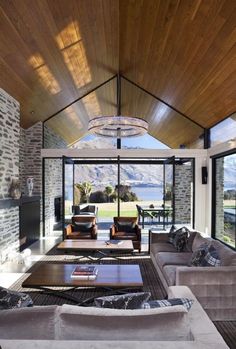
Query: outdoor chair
[[143, 215], [126, 228], [81, 228]]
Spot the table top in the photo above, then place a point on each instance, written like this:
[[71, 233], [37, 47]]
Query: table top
[[147, 208], [59, 275], [94, 245]]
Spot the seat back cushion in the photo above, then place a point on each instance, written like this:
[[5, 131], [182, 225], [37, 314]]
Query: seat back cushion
[[91, 323], [28, 323], [200, 240]]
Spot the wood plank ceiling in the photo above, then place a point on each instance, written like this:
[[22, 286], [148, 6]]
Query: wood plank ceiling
[[182, 51]]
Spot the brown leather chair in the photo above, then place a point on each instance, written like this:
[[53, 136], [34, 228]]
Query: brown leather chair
[[126, 228], [81, 228]]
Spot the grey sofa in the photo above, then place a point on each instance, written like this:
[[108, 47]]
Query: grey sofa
[[214, 287], [70, 327]]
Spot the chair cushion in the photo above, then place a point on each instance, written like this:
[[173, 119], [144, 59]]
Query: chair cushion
[[123, 301], [123, 235], [125, 226], [82, 226], [12, 299]]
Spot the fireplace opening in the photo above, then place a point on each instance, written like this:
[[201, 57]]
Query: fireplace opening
[[57, 211]]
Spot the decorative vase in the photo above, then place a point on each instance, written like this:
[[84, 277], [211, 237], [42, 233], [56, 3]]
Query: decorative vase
[[15, 191], [30, 185]]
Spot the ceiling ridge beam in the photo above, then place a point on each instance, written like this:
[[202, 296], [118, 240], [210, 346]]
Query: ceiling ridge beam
[[161, 100], [78, 99]]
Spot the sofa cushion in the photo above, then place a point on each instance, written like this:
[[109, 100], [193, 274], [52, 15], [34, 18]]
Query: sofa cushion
[[169, 272], [200, 240], [180, 239], [173, 258], [162, 247], [28, 323], [12, 299], [123, 301], [187, 303], [91, 323], [198, 255], [226, 254]]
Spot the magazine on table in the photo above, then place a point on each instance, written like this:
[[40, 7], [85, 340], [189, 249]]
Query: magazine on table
[[114, 242], [85, 272]]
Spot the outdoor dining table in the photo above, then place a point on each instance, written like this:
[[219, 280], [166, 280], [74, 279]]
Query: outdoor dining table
[[159, 210]]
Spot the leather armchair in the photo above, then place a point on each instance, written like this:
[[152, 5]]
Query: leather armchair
[[126, 228], [81, 228]]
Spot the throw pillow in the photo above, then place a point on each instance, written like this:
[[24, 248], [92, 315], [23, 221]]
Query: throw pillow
[[180, 239], [124, 301], [205, 256], [187, 303], [82, 226], [12, 299], [211, 258], [171, 234]]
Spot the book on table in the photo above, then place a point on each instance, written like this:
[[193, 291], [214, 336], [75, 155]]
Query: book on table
[[114, 242], [85, 272]]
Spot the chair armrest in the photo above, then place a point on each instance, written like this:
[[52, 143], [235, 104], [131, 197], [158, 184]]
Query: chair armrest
[[94, 231], [112, 231], [68, 230], [138, 232]]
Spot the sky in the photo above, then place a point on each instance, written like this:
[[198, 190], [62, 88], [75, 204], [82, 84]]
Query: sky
[[145, 142]]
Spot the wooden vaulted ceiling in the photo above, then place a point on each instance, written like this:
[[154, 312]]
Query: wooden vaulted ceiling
[[182, 51]]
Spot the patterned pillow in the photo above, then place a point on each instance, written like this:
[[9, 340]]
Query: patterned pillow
[[12, 299], [211, 258], [198, 255], [171, 234], [181, 239], [124, 301], [205, 256], [187, 303]]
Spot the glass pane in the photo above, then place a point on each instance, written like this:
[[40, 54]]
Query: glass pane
[[96, 185], [168, 193], [224, 131], [68, 189], [226, 199], [141, 193]]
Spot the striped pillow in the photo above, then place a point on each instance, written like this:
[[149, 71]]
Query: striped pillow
[[187, 303]]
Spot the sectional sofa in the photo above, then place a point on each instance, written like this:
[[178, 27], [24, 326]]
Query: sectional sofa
[[73, 327], [214, 287]]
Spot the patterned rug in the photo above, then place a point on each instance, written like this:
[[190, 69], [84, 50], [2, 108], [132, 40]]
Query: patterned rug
[[150, 277]]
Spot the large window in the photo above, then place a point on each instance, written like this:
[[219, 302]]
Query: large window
[[223, 131], [224, 195]]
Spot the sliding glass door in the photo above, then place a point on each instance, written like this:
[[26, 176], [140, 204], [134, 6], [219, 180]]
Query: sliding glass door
[[224, 198]]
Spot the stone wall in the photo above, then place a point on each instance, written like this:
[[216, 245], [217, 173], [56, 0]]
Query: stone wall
[[53, 189], [183, 193], [53, 177], [9, 169], [30, 157]]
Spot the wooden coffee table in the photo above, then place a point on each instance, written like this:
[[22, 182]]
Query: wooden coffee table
[[95, 246], [110, 277]]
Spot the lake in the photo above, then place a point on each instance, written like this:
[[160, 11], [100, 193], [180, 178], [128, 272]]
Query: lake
[[148, 193]]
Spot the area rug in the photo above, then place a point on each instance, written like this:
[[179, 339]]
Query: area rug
[[150, 277]]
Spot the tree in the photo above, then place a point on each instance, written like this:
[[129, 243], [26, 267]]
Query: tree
[[108, 191], [85, 189], [98, 196]]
